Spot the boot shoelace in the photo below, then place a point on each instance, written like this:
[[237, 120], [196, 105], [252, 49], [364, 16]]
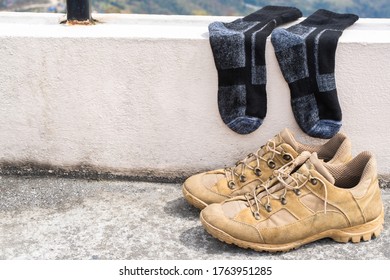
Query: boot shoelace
[[238, 171], [288, 182]]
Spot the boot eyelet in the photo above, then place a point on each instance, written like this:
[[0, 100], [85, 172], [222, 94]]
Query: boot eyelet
[[283, 200], [313, 181], [231, 185], [257, 215], [268, 208], [271, 164], [297, 192], [287, 157], [257, 171], [242, 178]]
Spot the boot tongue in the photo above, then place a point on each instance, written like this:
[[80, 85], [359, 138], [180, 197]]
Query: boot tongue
[[286, 136], [302, 158], [318, 165]]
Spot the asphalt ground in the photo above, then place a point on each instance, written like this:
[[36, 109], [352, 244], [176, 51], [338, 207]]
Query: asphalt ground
[[50, 218]]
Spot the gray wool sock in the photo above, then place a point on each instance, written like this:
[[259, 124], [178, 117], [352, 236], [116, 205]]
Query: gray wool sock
[[306, 56], [239, 54]]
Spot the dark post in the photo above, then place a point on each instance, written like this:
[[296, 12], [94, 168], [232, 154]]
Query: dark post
[[78, 10]]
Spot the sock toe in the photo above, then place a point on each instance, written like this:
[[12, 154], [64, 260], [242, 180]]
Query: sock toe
[[245, 124], [325, 129]]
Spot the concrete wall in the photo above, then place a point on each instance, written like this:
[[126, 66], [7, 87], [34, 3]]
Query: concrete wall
[[137, 95]]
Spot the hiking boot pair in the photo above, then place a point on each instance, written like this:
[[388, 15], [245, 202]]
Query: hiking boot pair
[[307, 198]]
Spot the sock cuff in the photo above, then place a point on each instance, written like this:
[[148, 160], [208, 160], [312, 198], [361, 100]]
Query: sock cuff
[[280, 13], [330, 20]]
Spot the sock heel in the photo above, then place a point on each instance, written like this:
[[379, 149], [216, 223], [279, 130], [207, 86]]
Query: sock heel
[[282, 39]]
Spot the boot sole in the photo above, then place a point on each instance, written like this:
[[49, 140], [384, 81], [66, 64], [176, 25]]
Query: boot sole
[[355, 234], [192, 199]]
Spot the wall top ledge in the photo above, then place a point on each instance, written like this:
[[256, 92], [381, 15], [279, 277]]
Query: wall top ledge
[[44, 25]]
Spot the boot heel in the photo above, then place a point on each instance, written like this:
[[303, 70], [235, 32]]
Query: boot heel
[[359, 233]]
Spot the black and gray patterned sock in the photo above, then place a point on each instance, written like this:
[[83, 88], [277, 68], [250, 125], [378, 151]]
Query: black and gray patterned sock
[[239, 54], [306, 56]]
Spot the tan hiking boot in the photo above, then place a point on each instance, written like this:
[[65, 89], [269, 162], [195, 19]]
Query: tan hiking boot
[[216, 186], [319, 200]]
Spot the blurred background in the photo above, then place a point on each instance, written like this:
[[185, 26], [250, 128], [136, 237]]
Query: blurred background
[[363, 8]]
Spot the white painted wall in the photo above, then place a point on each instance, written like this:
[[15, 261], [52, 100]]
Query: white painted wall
[[137, 94]]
